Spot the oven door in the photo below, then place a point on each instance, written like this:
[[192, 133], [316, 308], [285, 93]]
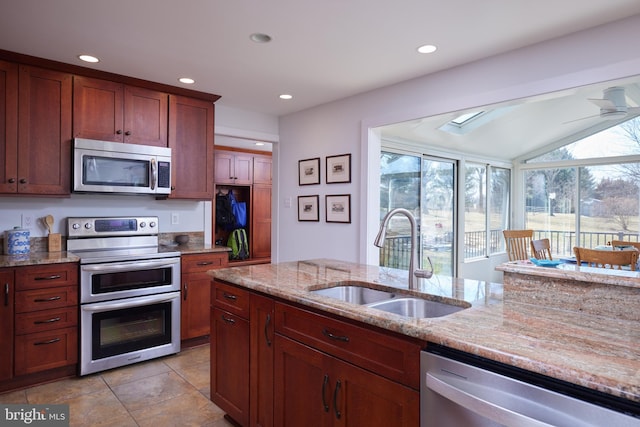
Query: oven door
[[108, 281], [122, 332]]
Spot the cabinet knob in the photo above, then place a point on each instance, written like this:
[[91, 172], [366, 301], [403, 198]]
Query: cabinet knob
[[23, 180], [119, 132], [128, 133], [12, 180]]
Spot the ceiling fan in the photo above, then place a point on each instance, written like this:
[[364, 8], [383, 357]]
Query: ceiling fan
[[613, 105]]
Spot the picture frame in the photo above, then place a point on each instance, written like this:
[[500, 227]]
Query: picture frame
[[308, 208], [338, 169], [309, 171], [338, 208]]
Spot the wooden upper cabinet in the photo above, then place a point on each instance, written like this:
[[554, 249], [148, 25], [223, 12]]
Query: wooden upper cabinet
[[262, 170], [44, 133], [233, 168], [110, 111], [191, 142], [8, 127]]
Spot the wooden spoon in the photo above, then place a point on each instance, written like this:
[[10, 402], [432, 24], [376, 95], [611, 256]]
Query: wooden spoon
[[49, 221]]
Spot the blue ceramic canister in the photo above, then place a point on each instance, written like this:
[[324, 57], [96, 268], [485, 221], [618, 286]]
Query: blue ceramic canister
[[16, 241]]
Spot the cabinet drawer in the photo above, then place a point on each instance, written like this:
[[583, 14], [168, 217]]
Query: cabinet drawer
[[43, 299], [384, 354], [198, 263], [229, 298], [46, 350], [46, 276], [46, 320]]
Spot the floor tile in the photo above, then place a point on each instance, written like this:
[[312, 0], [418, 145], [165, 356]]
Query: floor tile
[[197, 375], [64, 390], [127, 374], [98, 409], [14, 397], [189, 409], [189, 357], [151, 390]]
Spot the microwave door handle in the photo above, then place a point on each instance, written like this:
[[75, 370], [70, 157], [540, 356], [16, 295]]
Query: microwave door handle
[[154, 173]]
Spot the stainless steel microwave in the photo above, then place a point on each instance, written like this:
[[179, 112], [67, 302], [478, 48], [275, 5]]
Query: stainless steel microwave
[[115, 167]]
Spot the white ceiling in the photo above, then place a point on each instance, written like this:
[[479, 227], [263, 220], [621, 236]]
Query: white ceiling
[[322, 50]]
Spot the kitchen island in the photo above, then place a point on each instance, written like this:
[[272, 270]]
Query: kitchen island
[[526, 328]]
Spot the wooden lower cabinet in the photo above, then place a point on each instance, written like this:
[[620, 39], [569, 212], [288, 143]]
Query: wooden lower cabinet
[[7, 284], [264, 374], [196, 292], [314, 388]]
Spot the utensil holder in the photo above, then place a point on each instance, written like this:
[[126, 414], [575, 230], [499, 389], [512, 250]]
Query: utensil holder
[[55, 242]]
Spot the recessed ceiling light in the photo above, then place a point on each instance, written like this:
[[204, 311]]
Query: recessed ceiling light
[[88, 58], [186, 80], [286, 96], [427, 48], [260, 38]]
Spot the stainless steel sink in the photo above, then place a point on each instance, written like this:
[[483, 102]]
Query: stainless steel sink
[[417, 307], [392, 302], [356, 293]]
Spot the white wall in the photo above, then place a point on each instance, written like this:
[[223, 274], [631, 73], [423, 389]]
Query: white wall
[[600, 54], [193, 216]]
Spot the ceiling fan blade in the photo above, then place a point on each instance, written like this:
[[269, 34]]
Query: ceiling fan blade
[[606, 104], [580, 119]]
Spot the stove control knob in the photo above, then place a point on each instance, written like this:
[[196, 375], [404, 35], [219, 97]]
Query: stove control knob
[[152, 224], [75, 225], [143, 224], [88, 226]]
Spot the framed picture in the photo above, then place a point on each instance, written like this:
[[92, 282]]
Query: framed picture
[[339, 169], [338, 208], [308, 208], [309, 171]]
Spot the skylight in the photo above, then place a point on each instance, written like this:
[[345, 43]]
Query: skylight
[[462, 119]]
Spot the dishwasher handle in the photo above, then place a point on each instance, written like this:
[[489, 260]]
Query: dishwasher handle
[[481, 406]]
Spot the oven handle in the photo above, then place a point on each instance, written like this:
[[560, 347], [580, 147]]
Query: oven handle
[[130, 266], [129, 303]]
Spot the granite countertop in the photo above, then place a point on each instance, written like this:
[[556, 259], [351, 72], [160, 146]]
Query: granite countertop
[[195, 248], [37, 258], [597, 352]]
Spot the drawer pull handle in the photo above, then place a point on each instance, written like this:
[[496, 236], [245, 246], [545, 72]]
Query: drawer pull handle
[[324, 386], [40, 322], [228, 320], [52, 277], [47, 299], [335, 400], [266, 330], [205, 263], [46, 342], [185, 290], [230, 297], [335, 337], [6, 294]]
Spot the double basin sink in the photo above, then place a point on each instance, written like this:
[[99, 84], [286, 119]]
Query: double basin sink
[[391, 301]]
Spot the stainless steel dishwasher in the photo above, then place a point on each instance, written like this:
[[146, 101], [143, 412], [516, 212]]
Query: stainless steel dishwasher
[[458, 389]]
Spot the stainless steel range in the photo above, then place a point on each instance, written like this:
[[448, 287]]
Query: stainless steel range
[[129, 291]]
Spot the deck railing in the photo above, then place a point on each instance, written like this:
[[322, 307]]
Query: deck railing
[[396, 250]]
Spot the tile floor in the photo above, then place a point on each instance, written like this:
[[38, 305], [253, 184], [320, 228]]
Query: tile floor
[[170, 391]]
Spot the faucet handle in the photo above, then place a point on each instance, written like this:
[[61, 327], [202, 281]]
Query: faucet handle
[[424, 273]]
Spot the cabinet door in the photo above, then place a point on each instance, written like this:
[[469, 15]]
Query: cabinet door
[[261, 369], [261, 222], [302, 385], [145, 116], [196, 294], [230, 364], [44, 136], [8, 127], [224, 167], [98, 109], [6, 320], [360, 398], [262, 170], [243, 169], [191, 140]]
